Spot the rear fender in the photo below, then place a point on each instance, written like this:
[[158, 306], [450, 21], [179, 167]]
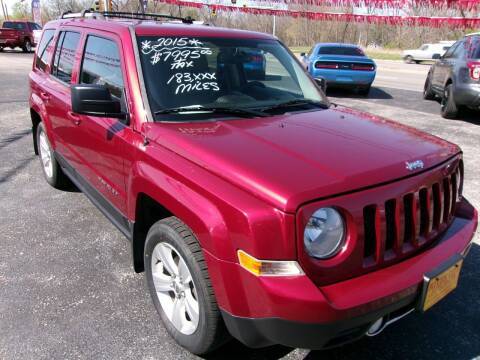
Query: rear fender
[[37, 105]]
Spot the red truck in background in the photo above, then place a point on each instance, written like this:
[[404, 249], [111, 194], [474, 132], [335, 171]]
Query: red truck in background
[[19, 34]]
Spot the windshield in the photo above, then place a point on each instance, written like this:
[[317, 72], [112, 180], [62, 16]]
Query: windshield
[[241, 74], [13, 25], [340, 50]]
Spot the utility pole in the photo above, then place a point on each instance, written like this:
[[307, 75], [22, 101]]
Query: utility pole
[[274, 25], [5, 15]]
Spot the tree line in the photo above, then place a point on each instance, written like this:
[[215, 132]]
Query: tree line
[[292, 31]]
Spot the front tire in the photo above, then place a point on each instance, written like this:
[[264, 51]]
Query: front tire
[[408, 59], [449, 108], [180, 287], [51, 168]]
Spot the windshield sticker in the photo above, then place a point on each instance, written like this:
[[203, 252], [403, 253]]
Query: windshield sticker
[[178, 54]]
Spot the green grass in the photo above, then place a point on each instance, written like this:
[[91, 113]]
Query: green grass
[[300, 49], [384, 54], [379, 54]]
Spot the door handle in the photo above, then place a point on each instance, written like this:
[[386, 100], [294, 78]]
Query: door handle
[[45, 96], [74, 117]]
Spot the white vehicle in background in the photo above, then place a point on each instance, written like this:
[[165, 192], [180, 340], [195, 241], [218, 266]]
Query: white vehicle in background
[[426, 52]]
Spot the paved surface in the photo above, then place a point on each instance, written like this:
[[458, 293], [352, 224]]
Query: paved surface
[[395, 74], [67, 289]]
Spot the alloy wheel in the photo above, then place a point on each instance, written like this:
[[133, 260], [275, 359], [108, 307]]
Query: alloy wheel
[[45, 154], [175, 288]]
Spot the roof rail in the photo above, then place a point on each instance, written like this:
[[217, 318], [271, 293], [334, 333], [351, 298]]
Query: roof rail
[[124, 15]]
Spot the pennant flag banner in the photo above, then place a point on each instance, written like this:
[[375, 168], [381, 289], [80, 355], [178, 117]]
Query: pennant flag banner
[[36, 12], [394, 4], [450, 22]]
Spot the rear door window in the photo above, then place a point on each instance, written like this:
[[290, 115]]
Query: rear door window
[[101, 65], [64, 59], [41, 59]]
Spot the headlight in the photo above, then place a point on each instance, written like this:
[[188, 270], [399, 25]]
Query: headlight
[[324, 234]]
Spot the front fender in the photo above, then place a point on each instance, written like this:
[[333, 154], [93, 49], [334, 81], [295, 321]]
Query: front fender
[[223, 217], [197, 212]]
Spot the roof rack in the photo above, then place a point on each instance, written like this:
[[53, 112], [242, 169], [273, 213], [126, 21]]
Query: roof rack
[[123, 15]]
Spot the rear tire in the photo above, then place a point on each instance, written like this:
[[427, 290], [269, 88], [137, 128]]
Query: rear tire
[[27, 46], [428, 93], [408, 59], [365, 90], [180, 287], [51, 168], [449, 108]]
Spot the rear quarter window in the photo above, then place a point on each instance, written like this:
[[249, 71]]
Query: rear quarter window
[[44, 49]]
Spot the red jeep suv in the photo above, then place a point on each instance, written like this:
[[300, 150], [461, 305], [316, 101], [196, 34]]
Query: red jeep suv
[[255, 207]]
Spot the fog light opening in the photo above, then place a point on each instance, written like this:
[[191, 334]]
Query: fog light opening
[[377, 327]]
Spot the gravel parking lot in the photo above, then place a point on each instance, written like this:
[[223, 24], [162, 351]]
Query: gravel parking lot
[[68, 290]]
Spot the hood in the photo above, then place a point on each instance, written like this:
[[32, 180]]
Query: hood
[[295, 158]]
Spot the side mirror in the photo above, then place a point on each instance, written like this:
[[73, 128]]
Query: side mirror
[[303, 54], [95, 100], [322, 83], [436, 56]]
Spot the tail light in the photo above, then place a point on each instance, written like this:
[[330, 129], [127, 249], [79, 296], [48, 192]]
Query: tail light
[[361, 67], [474, 69], [256, 58], [325, 65]]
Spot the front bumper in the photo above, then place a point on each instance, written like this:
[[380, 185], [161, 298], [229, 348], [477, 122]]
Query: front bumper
[[262, 311], [257, 333]]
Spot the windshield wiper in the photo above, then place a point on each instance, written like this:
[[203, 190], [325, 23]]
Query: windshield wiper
[[293, 103], [213, 109]]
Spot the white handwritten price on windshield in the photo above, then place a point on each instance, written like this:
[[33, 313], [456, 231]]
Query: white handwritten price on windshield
[[180, 51]]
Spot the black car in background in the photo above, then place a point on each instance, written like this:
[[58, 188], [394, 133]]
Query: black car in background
[[455, 77]]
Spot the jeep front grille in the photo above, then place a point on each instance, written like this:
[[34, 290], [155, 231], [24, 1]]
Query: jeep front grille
[[405, 224]]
